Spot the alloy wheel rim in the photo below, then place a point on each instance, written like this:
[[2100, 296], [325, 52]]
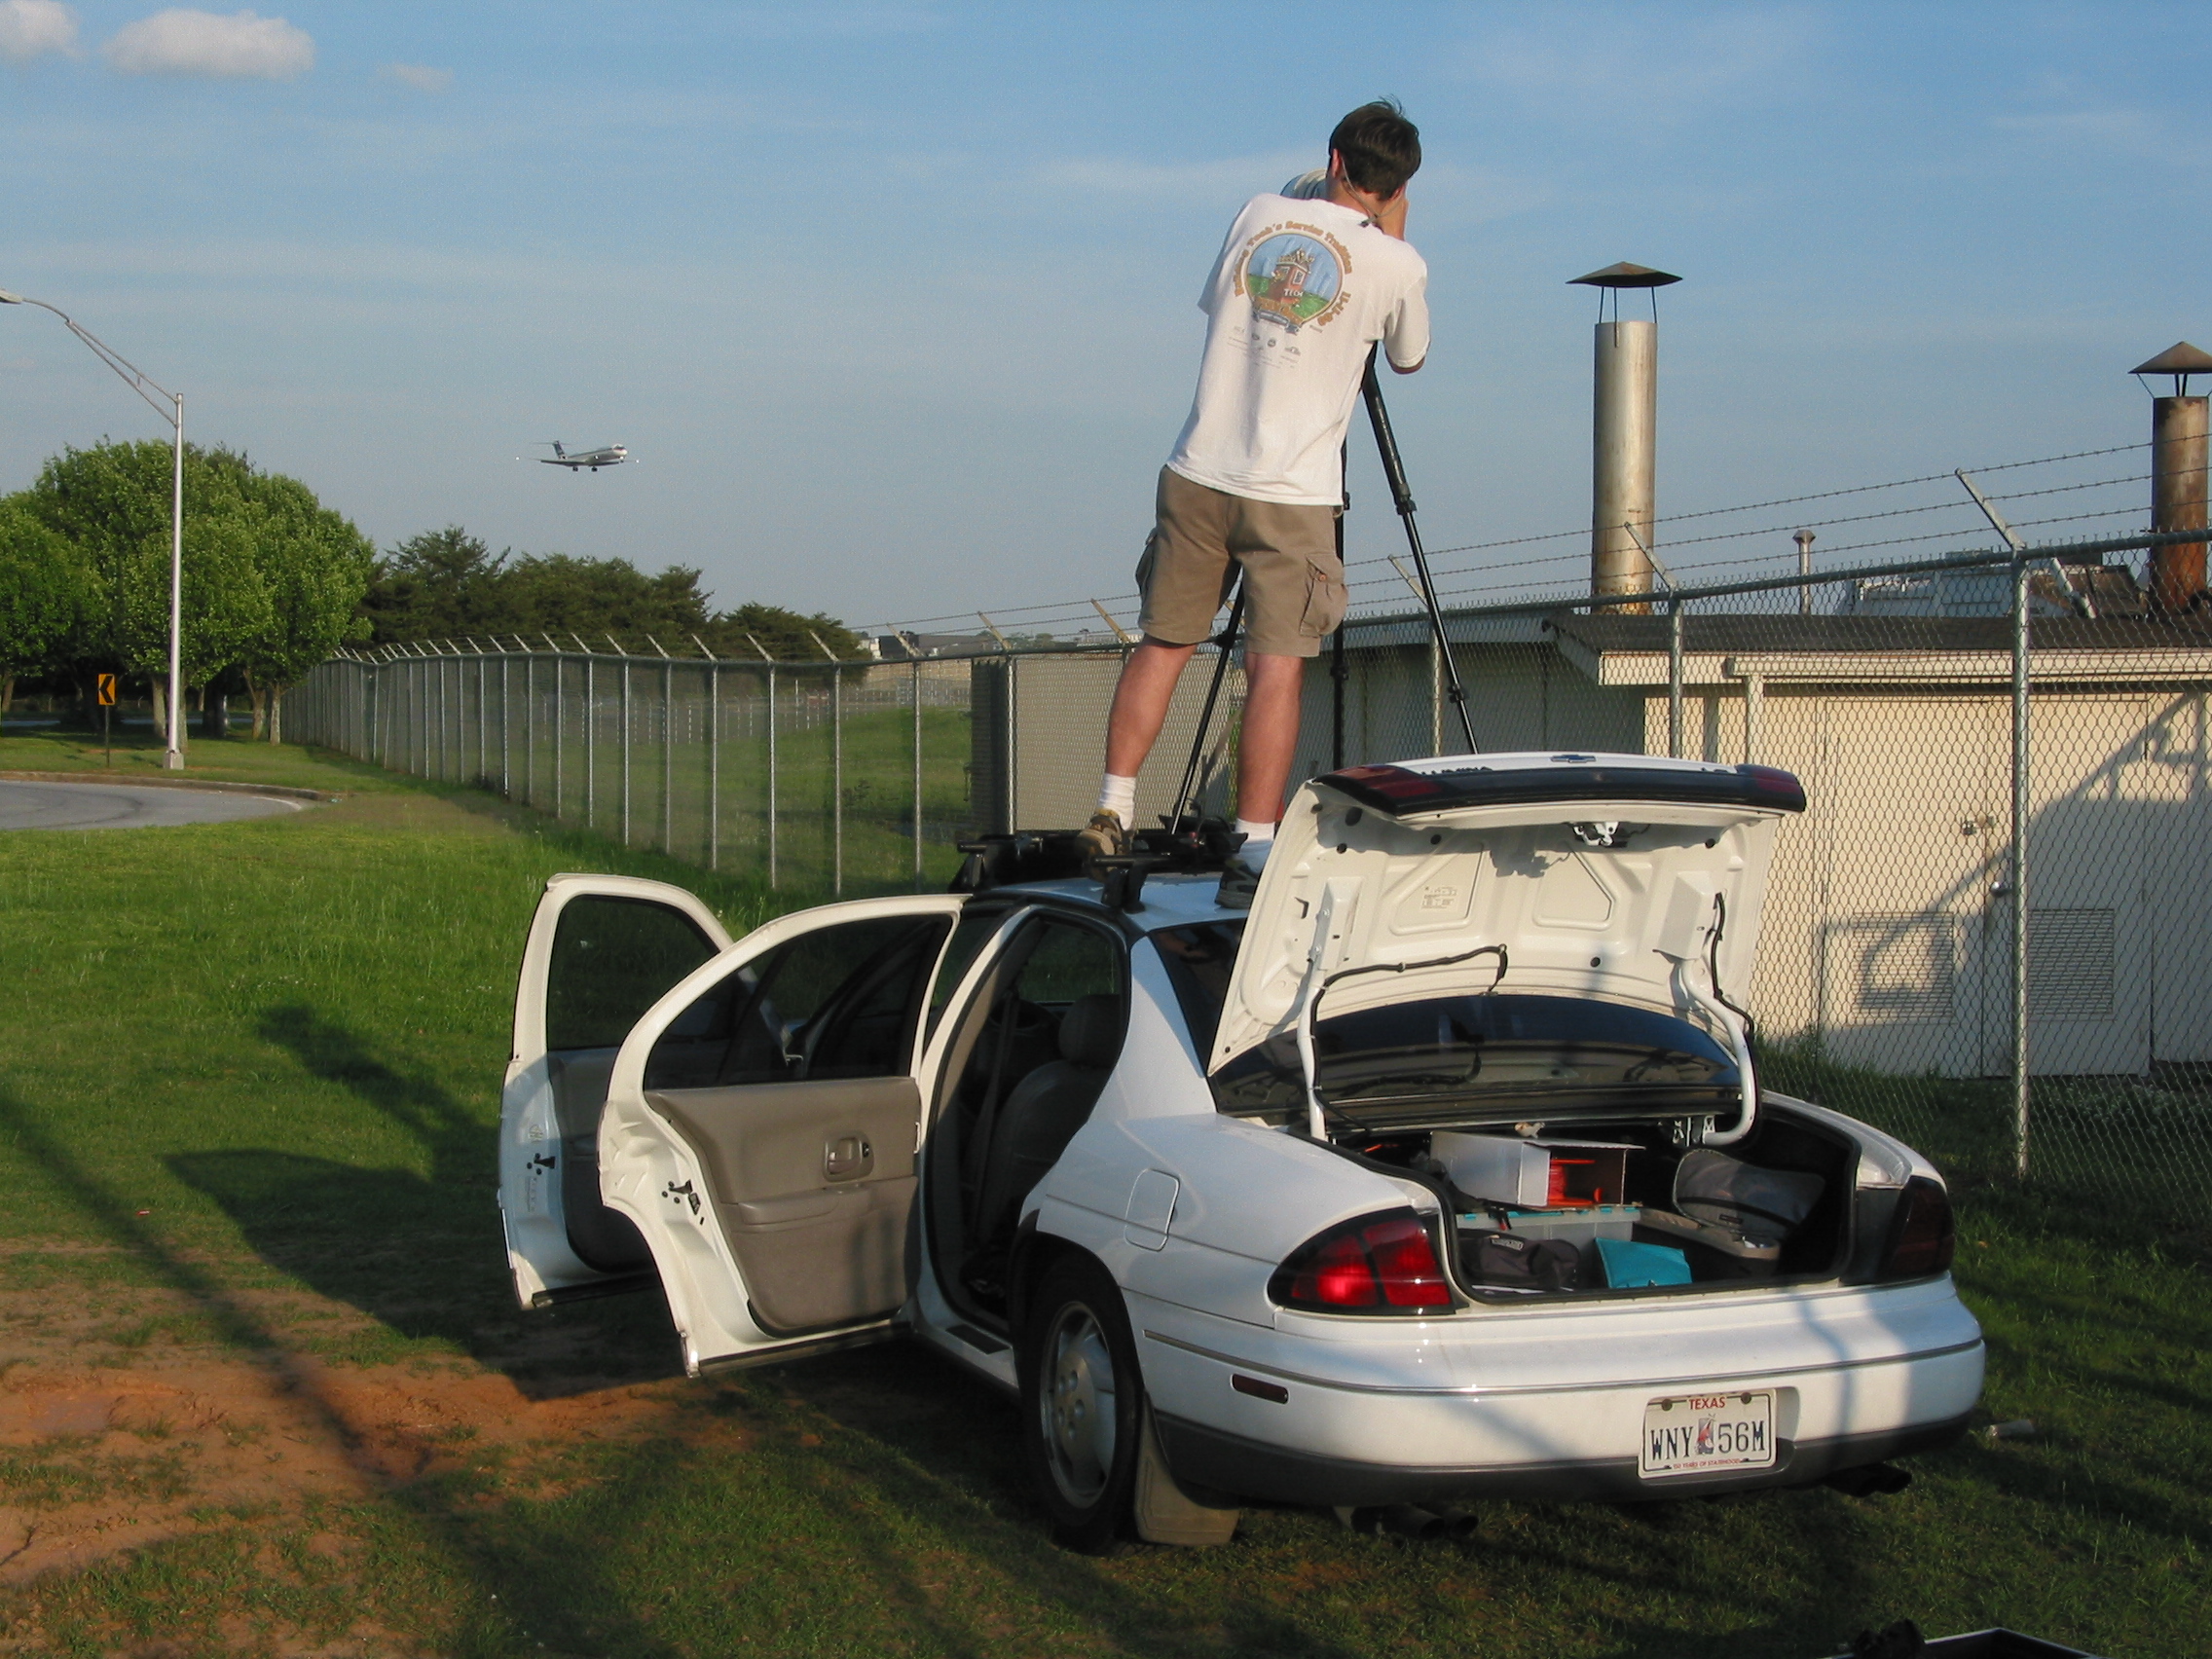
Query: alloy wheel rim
[[1077, 1405]]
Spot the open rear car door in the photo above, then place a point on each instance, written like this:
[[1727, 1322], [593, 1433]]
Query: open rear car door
[[602, 950], [761, 1125]]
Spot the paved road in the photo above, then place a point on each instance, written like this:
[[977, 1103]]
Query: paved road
[[126, 807]]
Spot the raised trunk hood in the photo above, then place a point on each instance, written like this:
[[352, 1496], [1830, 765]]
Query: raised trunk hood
[[1434, 859]]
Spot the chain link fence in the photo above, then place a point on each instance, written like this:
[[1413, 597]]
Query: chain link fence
[[1983, 934]]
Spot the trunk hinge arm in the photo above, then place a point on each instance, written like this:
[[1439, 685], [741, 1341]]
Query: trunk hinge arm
[[1712, 1002]]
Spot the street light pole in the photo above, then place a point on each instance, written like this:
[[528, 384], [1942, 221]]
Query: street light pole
[[139, 382]]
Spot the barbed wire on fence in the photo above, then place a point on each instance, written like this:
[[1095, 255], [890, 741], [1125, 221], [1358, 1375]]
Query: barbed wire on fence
[[1373, 581]]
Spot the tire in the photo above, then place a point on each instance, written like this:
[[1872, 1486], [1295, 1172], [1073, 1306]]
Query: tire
[[1082, 1403]]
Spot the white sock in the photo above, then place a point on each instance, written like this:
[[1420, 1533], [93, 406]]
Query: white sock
[[1259, 841], [1118, 794]]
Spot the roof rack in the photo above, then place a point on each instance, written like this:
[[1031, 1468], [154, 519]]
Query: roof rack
[[1200, 847]]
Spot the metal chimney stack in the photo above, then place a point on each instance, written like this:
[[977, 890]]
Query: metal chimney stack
[[2178, 454], [1624, 422]]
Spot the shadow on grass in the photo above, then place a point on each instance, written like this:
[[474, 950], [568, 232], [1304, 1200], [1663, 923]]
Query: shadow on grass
[[423, 1254]]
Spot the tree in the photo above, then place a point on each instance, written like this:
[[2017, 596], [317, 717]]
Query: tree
[[440, 584], [225, 602], [46, 595], [788, 634], [271, 576], [313, 569]]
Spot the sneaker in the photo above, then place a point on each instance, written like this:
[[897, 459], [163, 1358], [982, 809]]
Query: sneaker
[[1238, 882], [1103, 837]]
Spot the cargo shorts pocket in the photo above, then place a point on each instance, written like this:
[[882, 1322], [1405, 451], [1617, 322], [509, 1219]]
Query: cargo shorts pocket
[[1326, 599]]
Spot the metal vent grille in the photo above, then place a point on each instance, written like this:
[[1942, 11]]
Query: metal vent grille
[[2070, 964], [1901, 966]]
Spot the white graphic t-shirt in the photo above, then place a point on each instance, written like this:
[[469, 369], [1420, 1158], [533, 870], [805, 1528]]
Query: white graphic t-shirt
[[1302, 289]]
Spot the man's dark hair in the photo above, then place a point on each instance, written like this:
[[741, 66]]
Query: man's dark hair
[[1381, 147]]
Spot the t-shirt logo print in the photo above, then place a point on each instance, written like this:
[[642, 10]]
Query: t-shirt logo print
[[1294, 280]]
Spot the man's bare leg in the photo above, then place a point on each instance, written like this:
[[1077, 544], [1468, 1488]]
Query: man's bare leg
[[1140, 704], [1140, 709], [1271, 735]]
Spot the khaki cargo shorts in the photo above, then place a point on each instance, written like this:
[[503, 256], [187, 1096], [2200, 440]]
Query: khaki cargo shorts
[[1294, 582]]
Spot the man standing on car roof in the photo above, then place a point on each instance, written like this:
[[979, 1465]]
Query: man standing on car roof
[[1302, 288]]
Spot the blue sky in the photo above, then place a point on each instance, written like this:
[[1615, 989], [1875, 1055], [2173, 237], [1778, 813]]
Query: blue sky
[[895, 304]]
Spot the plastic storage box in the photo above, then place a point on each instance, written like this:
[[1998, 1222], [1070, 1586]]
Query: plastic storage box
[[1533, 1174]]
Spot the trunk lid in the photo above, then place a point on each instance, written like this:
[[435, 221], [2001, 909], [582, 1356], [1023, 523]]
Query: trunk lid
[[1598, 875]]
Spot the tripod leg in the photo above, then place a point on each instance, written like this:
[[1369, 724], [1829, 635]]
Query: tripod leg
[[1394, 470], [1222, 640]]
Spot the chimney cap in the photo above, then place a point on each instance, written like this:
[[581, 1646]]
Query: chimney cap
[[2179, 358], [1627, 275]]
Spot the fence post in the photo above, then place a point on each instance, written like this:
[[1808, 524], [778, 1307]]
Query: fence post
[[668, 759], [530, 729], [916, 683], [560, 769], [1674, 678], [506, 714], [713, 766], [591, 744], [838, 781], [625, 748], [483, 722], [771, 777], [2020, 868]]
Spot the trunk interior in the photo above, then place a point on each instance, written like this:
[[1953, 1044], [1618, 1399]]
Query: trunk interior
[[1613, 1208]]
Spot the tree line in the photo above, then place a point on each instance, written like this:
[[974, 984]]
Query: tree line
[[448, 586], [274, 582]]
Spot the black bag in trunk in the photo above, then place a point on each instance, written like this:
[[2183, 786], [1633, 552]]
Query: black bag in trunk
[[1505, 1260]]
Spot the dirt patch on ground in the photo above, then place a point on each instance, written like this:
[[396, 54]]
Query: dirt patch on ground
[[122, 1424]]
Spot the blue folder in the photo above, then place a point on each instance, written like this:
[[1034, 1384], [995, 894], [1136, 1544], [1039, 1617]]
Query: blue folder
[[1629, 1264]]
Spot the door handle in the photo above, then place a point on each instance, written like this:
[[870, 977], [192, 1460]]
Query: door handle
[[847, 1156]]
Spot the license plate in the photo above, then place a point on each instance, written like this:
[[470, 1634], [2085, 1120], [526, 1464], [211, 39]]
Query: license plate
[[1688, 1434]]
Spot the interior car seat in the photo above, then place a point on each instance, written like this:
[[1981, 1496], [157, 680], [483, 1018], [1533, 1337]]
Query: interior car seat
[[1045, 1109]]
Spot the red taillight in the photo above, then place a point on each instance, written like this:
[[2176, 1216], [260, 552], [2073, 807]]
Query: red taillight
[[1388, 1264], [1393, 783], [1340, 1275], [1921, 1238]]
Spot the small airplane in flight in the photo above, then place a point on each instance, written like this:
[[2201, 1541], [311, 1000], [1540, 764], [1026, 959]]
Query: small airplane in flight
[[607, 455]]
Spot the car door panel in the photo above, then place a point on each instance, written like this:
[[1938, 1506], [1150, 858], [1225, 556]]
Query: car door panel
[[599, 952], [813, 1183], [768, 1236]]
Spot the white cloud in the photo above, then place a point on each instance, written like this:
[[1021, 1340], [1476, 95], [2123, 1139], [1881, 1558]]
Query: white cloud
[[31, 28], [421, 76], [183, 41]]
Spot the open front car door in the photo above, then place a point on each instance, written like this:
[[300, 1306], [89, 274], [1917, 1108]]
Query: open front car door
[[602, 950], [761, 1125]]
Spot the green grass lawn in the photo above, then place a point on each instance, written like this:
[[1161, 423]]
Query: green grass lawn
[[248, 1078]]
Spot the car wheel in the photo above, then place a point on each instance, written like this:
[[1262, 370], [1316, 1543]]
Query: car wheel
[[1082, 1403]]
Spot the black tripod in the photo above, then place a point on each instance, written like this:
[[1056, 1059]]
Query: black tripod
[[1393, 471]]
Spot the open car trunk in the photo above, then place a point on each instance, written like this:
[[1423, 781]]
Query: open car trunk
[[1624, 1206], [1518, 979]]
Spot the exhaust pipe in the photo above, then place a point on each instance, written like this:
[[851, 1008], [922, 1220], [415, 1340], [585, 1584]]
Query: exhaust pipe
[[1408, 1520], [1870, 1480]]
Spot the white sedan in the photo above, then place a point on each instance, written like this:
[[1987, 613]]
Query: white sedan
[[1443, 1172]]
